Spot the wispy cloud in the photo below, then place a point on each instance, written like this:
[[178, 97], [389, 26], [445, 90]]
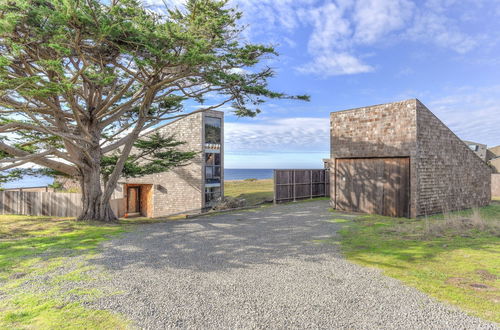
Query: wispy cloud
[[340, 30], [473, 113], [278, 135]]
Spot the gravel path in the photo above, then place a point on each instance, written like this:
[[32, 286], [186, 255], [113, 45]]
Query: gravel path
[[258, 269]]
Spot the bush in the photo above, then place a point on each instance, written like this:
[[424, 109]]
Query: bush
[[227, 203], [250, 180]]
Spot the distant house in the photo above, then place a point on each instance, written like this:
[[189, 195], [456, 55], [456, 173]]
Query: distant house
[[399, 159], [479, 148], [493, 158], [184, 189]]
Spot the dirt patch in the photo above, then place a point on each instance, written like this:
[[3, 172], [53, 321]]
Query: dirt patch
[[482, 287], [457, 281], [466, 284], [486, 275], [17, 275]]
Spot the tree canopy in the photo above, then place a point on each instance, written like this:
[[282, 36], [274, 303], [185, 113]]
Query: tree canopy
[[81, 79]]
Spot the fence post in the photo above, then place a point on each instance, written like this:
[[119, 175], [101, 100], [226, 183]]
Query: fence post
[[275, 187], [311, 182]]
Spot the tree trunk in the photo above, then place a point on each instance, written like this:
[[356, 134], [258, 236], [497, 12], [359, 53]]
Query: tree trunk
[[96, 206]]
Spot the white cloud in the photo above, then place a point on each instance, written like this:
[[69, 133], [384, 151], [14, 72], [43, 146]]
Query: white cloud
[[340, 30], [332, 63], [329, 41], [442, 31], [471, 112], [375, 19], [278, 135]]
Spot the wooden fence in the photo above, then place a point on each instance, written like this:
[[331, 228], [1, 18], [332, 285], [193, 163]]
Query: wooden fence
[[48, 204], [40, 203], [292, 185]]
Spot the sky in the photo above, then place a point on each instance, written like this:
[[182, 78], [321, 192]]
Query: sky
[[353, 53]]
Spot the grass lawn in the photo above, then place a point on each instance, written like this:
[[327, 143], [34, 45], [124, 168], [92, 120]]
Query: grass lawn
[[254, 192], [455, 258], [31, 247]]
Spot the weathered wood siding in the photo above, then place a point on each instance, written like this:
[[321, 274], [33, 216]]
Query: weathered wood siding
[[373, 185], [291, 185], [40, 203], [48, 204]]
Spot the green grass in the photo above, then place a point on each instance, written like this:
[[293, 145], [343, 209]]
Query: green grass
[[36, 311], [254, 192], [33, 246], [459, 266]]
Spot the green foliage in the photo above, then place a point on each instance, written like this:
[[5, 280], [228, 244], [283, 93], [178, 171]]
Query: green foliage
[[152, 154], [80, 80]]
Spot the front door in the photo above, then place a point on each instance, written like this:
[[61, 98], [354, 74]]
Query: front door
[[133, 201]]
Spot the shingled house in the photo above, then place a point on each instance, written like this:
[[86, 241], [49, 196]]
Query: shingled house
[[493, 157], [399, 159], [185, 189], [481, 150]]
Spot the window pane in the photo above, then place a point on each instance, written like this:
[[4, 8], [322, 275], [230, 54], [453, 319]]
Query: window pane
[[210, 159], [217, 171], [217, 159], [212, 194], [209, 172], [212, 130]]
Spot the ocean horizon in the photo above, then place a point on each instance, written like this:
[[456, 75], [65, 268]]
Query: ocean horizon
[[229, 175]]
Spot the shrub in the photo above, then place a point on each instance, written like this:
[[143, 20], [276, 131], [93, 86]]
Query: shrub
[[227, 203], [250, 180]]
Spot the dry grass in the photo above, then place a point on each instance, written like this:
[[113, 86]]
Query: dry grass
[[450, 224], [254, 192], [460, 225]]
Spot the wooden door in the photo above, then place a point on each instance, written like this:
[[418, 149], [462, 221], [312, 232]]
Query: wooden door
[[133, 200], [373, 185]]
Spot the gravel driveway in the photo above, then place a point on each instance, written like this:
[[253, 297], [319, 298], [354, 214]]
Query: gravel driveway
[[258, 269]]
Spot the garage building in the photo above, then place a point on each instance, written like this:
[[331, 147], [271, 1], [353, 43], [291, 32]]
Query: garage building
[[399, 159]]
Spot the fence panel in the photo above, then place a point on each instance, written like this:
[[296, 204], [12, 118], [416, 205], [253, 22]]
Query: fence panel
[[40, 203], [292, 185]]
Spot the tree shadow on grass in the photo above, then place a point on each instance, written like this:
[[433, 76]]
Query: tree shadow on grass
[[65, 238]]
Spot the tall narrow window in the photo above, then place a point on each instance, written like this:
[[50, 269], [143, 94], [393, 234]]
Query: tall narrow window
[[213, 132], [213, 161]]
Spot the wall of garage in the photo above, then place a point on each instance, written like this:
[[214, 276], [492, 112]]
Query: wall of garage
[[444, 174]]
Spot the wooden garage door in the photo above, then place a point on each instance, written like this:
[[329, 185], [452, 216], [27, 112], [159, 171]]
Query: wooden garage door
[[373, 185]]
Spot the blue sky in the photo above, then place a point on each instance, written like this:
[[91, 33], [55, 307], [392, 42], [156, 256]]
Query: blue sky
[[353, 53]]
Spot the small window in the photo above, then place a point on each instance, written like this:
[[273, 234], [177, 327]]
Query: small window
[[474, 147], [212, 159]]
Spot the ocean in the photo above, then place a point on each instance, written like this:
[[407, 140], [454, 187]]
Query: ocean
[[229, 174]]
